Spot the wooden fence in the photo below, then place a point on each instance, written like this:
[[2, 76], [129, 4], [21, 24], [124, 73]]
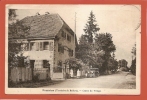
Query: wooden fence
[[22, 74]]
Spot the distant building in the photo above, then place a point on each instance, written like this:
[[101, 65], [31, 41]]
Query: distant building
[[49, 43]]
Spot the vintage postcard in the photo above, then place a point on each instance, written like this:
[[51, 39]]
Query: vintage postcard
[[73, 49]]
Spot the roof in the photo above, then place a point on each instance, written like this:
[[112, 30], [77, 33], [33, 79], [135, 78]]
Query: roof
[[43, 26]]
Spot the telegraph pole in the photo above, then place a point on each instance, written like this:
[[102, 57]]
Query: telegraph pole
[[75, 36]]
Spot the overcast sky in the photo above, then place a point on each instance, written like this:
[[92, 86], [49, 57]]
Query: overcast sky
[[119, 20]]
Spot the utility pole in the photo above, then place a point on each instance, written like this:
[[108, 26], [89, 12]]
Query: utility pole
[[75, 36]]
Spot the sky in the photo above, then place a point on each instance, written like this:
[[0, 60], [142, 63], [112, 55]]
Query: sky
[[122, 21]]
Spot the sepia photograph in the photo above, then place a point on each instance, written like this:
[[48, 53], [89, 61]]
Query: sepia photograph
[[73, 49]]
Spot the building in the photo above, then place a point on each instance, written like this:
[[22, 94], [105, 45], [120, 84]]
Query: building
[[50, 41]]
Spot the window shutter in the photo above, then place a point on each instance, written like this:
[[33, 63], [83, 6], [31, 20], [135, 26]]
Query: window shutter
[[37, 46], [51, 47], [41, 46]]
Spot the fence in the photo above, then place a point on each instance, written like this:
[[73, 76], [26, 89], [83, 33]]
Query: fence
[[21, 74]]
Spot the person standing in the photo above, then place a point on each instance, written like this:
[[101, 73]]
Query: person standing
[[71, 72], [78, 73], [86, 74]]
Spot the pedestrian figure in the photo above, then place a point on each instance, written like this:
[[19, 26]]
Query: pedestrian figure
[[86, 74], [78, 73], [71, 72]]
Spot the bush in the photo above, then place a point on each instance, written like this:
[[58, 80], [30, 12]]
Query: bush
[[36, 77]]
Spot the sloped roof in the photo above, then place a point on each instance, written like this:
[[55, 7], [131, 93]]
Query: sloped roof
[[43, 26]]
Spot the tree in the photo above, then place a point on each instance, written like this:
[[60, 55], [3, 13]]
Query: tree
[[15, 29], [122, 63], [84, 49], [112, 64], [74, 64], [104, 42], [18, 30], [95, 49], [91, 28], [133, 65], [12, 16], [134, 50], [14, 47]]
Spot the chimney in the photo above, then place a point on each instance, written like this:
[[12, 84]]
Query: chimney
[[37, 13], [47, 13]]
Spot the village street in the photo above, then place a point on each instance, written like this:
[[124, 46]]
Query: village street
[[119, 80]]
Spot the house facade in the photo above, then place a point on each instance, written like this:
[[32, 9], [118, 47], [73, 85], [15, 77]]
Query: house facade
[[49, 43]]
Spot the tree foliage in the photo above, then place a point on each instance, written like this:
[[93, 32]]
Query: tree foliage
[[104, 42], [73, 62], [122, 63], [112, 64], [84, 49], [12, 14], [17, 30], [134, 50], [91, 28], [133, 65], [95, 49]]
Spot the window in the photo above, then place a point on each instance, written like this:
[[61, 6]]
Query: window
[[46, 64], [68, 38], [34, 46], [38, 64], [70, 52], [63, 34], [39, 46], [60, 48], [59, 63], [46, 45], [32, 63]]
